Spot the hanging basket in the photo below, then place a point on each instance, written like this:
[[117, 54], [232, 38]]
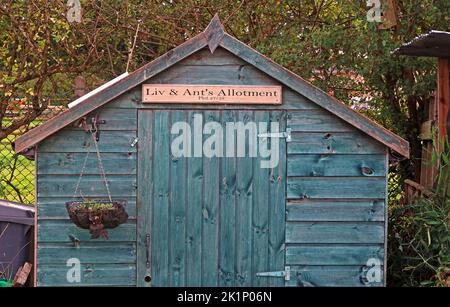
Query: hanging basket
[[97, 215]]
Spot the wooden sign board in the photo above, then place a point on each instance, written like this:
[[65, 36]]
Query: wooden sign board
[[211, 94]]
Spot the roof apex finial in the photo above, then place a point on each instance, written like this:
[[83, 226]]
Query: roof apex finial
[[214, 33]]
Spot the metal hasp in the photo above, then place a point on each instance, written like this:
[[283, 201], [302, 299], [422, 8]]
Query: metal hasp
[[95, 121], [94, 129], [286, 274], [286, 134]]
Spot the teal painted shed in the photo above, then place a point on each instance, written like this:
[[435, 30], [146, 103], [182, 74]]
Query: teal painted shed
[[317, 217]]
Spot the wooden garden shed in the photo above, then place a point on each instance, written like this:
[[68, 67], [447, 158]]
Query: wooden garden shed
[[315, 217]]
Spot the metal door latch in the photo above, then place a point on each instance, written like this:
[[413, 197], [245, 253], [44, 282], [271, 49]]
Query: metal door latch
[[286, 134], [286, 273]]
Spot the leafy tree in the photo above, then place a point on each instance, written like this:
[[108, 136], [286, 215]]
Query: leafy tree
[[329, 43]]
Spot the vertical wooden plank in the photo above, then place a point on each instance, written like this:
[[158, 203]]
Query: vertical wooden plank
[[244, 197], [210, 213], [194, 212], [277, 219], [443, 97], [224, 240], [428, 169], [260, 212], [161, 175], [227, 213], [177, 211], [144, 195]]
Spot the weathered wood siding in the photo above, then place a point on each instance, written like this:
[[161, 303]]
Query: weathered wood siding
[[60, 158], [335, 193]]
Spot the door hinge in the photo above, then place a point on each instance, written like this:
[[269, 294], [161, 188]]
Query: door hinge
[[286, 273], [286, 134]]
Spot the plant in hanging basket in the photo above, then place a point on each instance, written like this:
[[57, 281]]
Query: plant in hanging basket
[[97, 215]]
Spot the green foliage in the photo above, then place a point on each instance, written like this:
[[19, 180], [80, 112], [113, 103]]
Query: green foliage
[[94, 206], [335, 47], [419, 235], [420, 243], [329, 43]]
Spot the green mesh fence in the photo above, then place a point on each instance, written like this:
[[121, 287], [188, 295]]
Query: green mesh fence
[[16, 174]]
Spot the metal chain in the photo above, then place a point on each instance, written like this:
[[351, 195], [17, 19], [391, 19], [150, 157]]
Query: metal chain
[[81, 174], [100, 165]]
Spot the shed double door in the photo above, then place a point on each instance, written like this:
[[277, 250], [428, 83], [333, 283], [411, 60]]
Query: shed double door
[[208, 221]]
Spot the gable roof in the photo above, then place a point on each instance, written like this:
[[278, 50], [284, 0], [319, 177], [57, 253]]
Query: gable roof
[[214, 36]]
